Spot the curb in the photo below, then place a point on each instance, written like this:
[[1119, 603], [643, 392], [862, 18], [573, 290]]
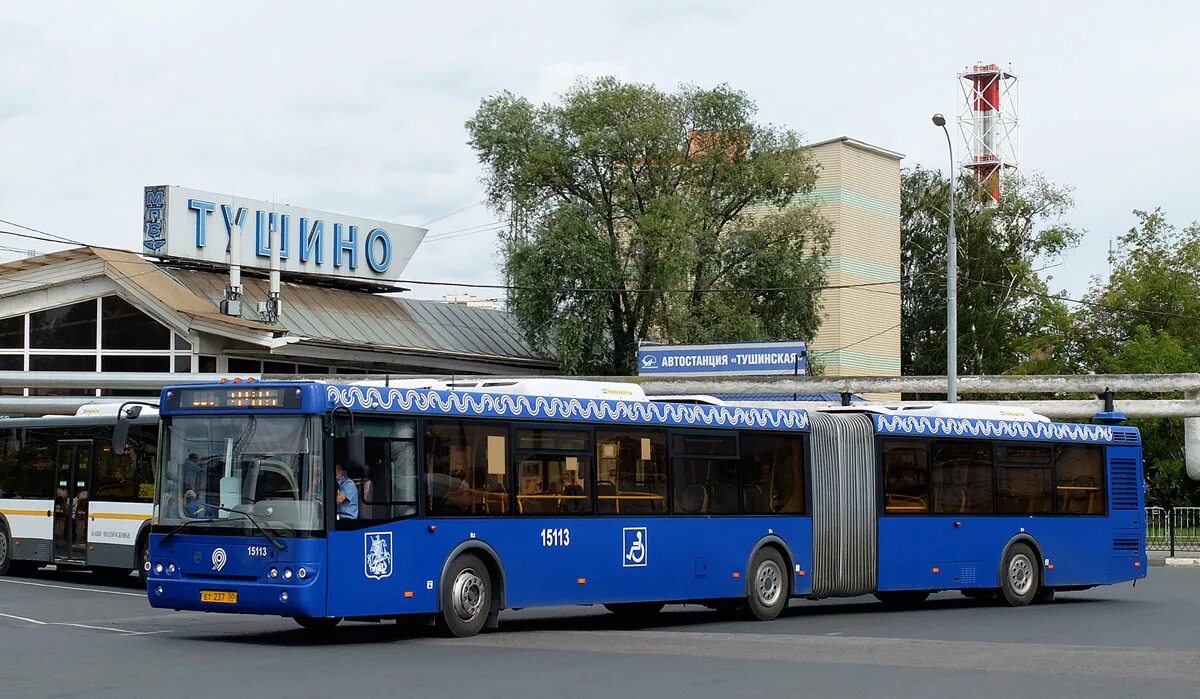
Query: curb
[[1183, 562]]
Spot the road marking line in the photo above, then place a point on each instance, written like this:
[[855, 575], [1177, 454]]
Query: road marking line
[[77, 589], [25, 619], [126, 632]]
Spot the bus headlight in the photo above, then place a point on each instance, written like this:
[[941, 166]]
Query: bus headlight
[[158, 568], [273, 573], [287, 573], [302, 573], [283, 596], [171, 568]]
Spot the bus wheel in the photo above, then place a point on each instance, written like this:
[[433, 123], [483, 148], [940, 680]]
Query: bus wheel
[[635, 611], [1019, 576], [906, 599], [143, 560], [5, 550], [466, 597], [319, 624], [768, 585]]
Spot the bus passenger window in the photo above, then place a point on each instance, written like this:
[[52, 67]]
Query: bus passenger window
[[905, 477], [631, 472], [772, 474], [1080, 479], [466, 466], [961, 471], [1024, 482]]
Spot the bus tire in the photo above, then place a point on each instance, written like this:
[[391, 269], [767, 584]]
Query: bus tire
[[635, 611], [1020, 575], [466, 597], [768, 585], [903, 599], [6, 549], [318, 624], [143, 559]]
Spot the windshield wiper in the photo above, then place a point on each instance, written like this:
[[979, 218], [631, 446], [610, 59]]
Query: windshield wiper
[[185, 525], [269, 536]]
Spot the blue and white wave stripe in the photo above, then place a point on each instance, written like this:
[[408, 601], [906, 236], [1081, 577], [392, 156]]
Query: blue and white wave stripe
[[1002, 429], [506, 405]]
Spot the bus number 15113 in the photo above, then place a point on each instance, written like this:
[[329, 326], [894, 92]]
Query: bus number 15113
[[556, 537]]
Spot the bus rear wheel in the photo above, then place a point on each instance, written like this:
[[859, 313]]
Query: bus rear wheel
[[635, 611], [318, 624], [1020, 576], [466, 597], [768, 585]]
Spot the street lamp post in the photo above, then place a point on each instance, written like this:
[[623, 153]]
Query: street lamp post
[[951, 282]]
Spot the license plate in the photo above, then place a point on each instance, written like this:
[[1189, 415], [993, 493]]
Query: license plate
[[218, 596]]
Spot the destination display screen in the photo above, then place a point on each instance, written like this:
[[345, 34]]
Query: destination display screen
[[234, 397]]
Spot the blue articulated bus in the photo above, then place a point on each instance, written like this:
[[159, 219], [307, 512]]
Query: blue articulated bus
[[325, 502]]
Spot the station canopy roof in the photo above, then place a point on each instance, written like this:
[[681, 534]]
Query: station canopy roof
[[313, 317]]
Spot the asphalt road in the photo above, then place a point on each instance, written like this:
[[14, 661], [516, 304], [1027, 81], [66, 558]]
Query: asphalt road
[[61, 635]]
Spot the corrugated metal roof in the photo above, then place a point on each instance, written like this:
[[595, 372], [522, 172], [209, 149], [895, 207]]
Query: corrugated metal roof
[[349, 318]]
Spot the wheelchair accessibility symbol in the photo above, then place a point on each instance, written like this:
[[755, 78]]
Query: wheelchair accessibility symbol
[[633, 551]]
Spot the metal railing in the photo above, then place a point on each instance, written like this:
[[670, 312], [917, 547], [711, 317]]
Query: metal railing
[[1173, 530]]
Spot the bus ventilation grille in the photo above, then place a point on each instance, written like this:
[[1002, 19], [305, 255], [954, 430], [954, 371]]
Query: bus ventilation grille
[[1125, 437], [1124, 484], [1127, 545]]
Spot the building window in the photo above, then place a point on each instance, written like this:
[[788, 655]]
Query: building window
[[126, 327], [181, 343], [631, 473], [12, 362], [278, 368], [139, 363], [309, 369], [1080, 479], [961, 472], [65, 327], [772, 474], [208, 365], [244, 366], [905, 477], [12, 333], [183, 363]]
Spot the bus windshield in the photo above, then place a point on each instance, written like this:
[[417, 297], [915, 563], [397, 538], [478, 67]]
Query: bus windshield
[[266, 466]]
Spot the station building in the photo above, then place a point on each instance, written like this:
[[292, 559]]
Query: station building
[[166, 310]]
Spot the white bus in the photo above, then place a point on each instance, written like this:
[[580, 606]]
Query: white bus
[[67, 500]]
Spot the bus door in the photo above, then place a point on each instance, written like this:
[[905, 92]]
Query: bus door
[[845, 538], [72, 478]]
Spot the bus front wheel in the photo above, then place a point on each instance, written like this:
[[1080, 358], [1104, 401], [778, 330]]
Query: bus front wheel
[[768, 585], [466, 597], [1020, 576], [6, 549]]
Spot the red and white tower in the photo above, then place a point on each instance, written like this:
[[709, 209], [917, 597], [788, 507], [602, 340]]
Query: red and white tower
[[988, 122]]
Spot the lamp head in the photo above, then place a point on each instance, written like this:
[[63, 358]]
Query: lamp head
[[939, 120]]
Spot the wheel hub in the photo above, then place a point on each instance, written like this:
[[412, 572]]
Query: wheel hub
[[1020, 574], [768, 583], [467, 595]]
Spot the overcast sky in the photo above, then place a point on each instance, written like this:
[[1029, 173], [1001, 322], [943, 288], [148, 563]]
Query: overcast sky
[[359, 107]]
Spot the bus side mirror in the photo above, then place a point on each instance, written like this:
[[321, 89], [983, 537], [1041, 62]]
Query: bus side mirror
[[121, 429], [356, 447]]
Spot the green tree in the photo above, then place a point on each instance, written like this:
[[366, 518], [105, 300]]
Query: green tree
[[1144, 318], [639, 214], [1007, 320]]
